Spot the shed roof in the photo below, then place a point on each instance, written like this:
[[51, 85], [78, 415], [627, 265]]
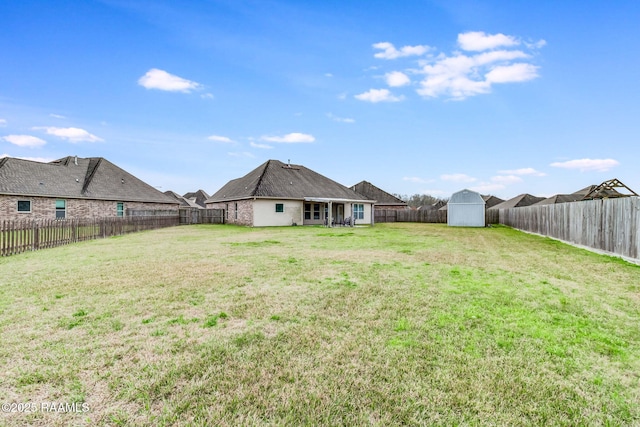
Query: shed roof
[[274, 179], [382, 198], [466, 197], [75, 177]]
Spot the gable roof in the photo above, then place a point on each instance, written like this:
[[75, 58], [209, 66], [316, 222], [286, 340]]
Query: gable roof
[[274, 179], [465, 197], [608, 190], [491, 200], [73, 177], [381, 197], [198, 197], [518, 201], [560, 198], [183, 202]]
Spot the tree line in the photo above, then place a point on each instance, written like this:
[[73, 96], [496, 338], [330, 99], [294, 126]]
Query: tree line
[[417, 200]]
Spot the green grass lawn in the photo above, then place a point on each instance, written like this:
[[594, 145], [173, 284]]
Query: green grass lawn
[[397, 324]]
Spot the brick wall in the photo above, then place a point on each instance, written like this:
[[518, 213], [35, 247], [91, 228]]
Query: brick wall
[[45, 208], [243, 215]]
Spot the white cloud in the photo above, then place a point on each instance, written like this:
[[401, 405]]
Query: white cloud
[[390, 52], [71, 134], [397, 79], [416, 179], [290, 138], [328, 75], [207, 96], [478, 41], [584, 165], [512, 73], [263, 146], [457, 177], [378, 95], [241, 154], [33, 159], [57, 116], [483, 60], [24, 140], [340, 119], [161, 80], [487, 187], [522, 171], [3, 123], [461, 76], [223, 139], [506, 179]]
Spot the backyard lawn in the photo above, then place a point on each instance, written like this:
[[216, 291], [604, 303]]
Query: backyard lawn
[[397, 324]]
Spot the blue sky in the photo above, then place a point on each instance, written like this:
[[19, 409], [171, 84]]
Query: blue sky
[[504, 97]]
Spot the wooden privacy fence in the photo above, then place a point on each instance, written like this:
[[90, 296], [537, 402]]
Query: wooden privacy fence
[[410, 215], [609, 225], [30, 235], [201, 216]]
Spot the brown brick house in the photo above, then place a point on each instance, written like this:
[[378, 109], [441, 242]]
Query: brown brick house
[[73, 187], [279, 194]]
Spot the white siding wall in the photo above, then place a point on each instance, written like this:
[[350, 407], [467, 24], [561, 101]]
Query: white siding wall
[[463, 215], [264, 213]]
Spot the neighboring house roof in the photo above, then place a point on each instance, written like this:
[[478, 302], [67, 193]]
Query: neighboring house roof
[[274, 179], [608, 190], [382, 198], [518, 201], [73, 177], [198, 197], [560, 198], [183, 202], [435, 206], [491, 200]]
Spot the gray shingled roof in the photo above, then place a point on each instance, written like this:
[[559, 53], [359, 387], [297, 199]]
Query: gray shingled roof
[[518, 201], [560, 198], [198, 197], [274, 179], [78, 178], [370, 191]]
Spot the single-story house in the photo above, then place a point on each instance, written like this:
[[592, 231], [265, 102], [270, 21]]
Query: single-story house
[[277, 194], [74, 187], [383, 199]]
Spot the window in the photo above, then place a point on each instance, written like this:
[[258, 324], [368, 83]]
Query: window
[[120, 209], [279, 207], [61, 209], [307, 211], [24, 205], [358, 211], [236, 210], [316, 211]]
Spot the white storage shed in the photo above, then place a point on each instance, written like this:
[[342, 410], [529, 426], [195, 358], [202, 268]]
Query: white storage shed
[[466, 209]]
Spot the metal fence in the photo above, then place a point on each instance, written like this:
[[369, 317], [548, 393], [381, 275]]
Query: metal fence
[[609, 225], [30, 235]]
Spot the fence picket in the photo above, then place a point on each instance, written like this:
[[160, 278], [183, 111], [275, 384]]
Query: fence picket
[[17, 236]]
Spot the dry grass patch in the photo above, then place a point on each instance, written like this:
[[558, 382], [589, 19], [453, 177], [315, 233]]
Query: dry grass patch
[[398, 324]]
